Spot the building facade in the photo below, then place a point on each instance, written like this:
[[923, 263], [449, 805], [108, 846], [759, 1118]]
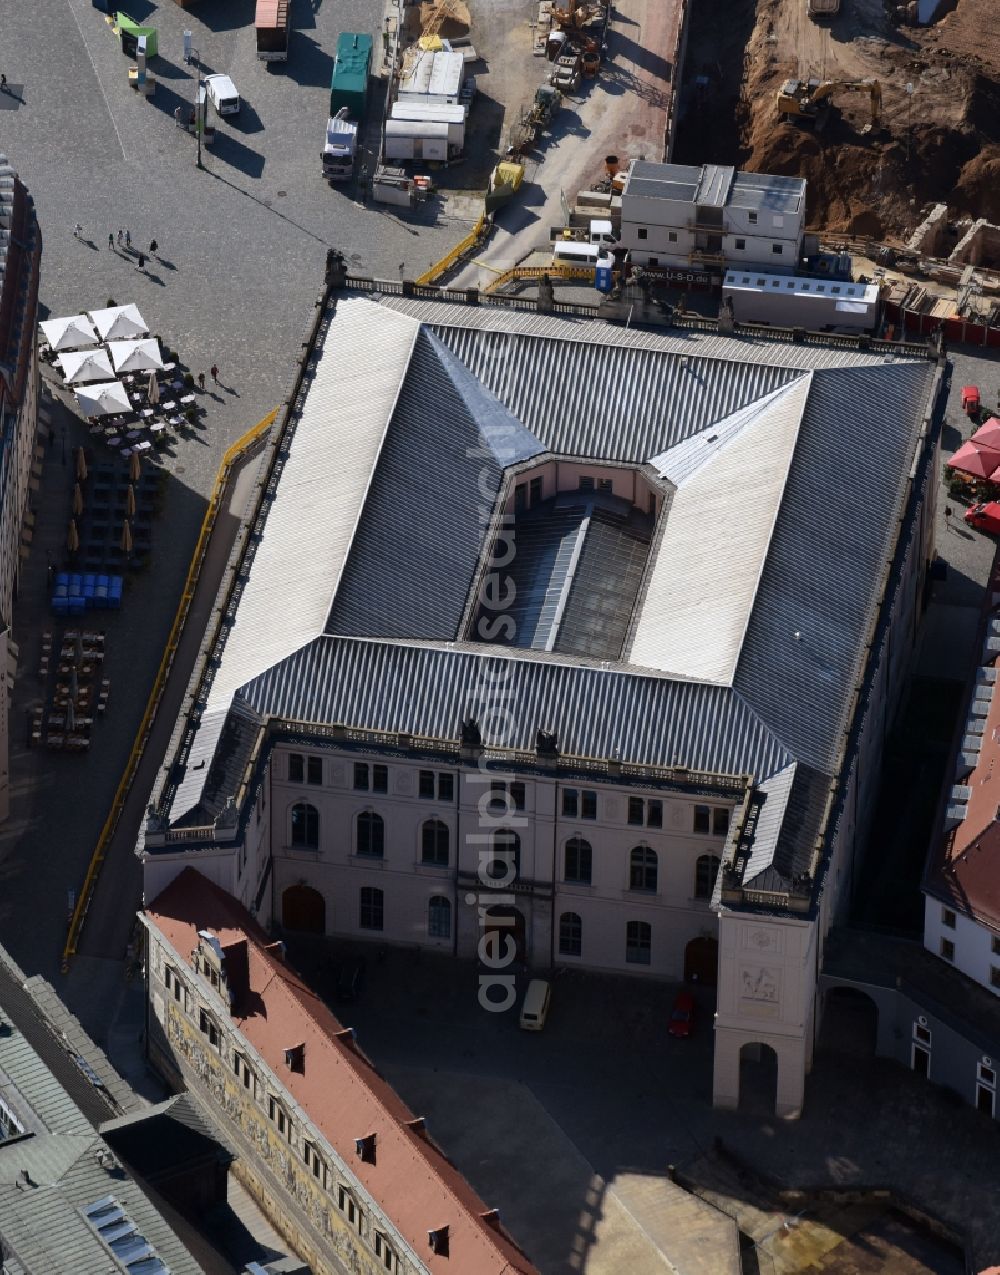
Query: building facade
[[20, 259], [343, 1170], [679, 215], [576, 680]]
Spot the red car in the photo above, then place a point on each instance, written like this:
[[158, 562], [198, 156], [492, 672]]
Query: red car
[[682, 1015], [984, 517], [970, 400]]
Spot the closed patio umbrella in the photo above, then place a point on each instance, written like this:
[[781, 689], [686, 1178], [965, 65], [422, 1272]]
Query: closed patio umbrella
[[126, 540], [70, 714], [78, 650], [72, 537], [153, 390], [74, 684], [130, 501], [81, 465], [134, 468], [973, 459], [77, 499]]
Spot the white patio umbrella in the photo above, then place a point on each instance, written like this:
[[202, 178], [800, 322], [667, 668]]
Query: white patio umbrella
[[119, 323], [135, 356], [85, 365], [153, 390], [71, 332], [106, 399]]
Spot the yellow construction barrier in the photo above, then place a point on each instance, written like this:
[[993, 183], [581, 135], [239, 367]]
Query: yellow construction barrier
[[583, 273], [230, 456], [460, 249]]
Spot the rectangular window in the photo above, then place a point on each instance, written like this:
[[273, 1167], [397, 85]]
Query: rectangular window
[[517, 795], [777, 249], [345, 1202], [371, 908], [752, 218], [314, 770], [948, 949], [720, 821], [995, 975], [995, 948], [672, 236], [296, 763], [314, 1162], [520, 498], [570, 803], [207, 1027], [636, 810], [586, 482], [534, 491], [921, 1033], [605, 484], [588, 804], [642, 233], [168, 977], [654, 814], [638, 943], [987, 1075], [380, 779], [427, 784], [702, 819], [384, 1253], [360, 776], [948, 918], [740, 245], [446, 787]]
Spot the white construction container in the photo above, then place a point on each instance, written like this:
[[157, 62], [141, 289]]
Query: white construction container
[[415, 139], [791, 301], [413, 109], [434, 76]]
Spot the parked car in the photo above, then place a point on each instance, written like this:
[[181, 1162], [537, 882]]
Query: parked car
[[222, 94], [350, 977], [682, 1015], [535, 1008], [985, 517], [970, 400]]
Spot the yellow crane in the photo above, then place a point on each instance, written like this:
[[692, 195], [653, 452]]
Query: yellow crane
[[808, 101]]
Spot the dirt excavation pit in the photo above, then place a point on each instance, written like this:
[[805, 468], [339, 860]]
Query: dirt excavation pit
[[938, 142]]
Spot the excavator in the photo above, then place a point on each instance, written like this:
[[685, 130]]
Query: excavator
[[808, 101]]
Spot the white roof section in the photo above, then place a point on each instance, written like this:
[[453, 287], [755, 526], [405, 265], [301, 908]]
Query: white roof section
[[78, 366], [701, 589], [445, 112], [106, 399], [119, 323], [435, 73], [416, 128], [71, 332], [312, 520], [798, 286], [136, 356]]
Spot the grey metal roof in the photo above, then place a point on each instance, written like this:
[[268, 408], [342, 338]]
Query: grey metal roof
[[594, 712], [822, 575], [421, 531], [717, 186]]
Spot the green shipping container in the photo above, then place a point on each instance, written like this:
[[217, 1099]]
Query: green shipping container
[[131, 30], [349, 86]]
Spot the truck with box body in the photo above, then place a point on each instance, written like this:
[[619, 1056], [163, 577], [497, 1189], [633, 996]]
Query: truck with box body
[[272, 23], [348, 102]]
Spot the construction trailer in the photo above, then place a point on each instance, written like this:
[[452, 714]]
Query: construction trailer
[[415, 139], [432, 76], [351, 68], [412, 109], [272, 23], [792, 301]]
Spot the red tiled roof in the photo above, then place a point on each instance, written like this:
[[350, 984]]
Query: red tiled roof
[[967, 870], [339, 1089]]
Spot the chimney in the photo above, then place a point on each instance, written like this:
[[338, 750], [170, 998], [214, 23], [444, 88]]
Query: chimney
[[611, 164], [276, 949], [492, 1218], [417, 1125]]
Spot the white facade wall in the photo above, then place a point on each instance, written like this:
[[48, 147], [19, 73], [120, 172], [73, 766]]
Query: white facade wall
[[665, 229], [976, 946]]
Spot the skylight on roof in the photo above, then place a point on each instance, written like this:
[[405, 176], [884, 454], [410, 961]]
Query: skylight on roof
[[121, 1236]]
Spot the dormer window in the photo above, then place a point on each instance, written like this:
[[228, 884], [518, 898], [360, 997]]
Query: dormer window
[[439, 1241], [366, 1148], [295, 1058]]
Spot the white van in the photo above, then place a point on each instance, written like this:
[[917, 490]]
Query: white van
[[222, 94], [570, 252], [535, 1008]]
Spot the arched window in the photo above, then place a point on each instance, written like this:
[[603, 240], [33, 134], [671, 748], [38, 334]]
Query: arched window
[[578, 861], [371, 908], [705, 872], [305, 826], [570, 934], [506, 862], [642, 870], [638, 942], [434, 843], [371, 835], [439, 917]]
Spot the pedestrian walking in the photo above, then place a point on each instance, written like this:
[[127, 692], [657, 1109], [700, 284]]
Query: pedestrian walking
[[77, 230], [111, 241], [128, 240], [153, 245], [215, 373], [201, 380], [3, 84], [142, 260]]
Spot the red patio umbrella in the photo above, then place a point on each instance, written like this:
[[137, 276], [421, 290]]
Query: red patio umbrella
[[980, 462], [988, 434]]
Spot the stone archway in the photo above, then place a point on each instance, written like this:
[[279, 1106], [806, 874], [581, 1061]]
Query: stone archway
[[850, 1023], [758, 1079], [508, 921], [303, 909], [701, 961]]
